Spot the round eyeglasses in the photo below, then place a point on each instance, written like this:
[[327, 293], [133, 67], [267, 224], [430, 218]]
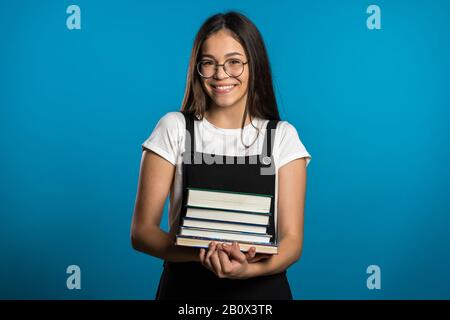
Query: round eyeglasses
[[232, 67]]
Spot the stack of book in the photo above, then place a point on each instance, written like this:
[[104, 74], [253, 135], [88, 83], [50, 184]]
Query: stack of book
[[227, 216]]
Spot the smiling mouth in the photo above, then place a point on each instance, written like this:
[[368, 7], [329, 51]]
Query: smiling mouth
[[223, 88]]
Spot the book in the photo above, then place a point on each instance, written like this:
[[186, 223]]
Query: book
[[244, 246], [225, 235], [227, 216], [228, 200], [230, 216], [223, 225]]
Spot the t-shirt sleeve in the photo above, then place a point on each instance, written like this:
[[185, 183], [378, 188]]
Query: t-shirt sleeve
[[290, 145], [165, 138]]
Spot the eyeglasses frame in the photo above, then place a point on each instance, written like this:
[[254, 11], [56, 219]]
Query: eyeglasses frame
[[223, 66]]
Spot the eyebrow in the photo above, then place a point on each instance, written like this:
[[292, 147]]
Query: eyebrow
[[227, 55]]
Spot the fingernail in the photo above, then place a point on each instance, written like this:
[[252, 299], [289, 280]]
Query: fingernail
[[225, 245]]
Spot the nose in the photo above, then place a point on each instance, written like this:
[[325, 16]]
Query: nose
[[220, 73]]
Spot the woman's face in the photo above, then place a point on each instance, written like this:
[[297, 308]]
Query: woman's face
[[224, 90]]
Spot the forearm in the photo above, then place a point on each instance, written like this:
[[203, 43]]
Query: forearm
[[289, 249], [155, 242]]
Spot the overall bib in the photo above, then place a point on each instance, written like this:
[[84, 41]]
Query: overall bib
[[192, 280]]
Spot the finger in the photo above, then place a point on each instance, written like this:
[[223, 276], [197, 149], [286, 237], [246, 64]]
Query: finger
[[202, 255], [212, 249], [226, 247], [217, 268], [236, 253], [251, 253], [225, 262]]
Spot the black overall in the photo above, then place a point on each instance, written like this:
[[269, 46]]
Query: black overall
[[192, 280]]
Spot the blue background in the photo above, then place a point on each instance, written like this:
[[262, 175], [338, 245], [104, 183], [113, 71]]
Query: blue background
[[371, 106]]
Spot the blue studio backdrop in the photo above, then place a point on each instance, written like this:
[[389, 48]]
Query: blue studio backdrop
[[370, 104]]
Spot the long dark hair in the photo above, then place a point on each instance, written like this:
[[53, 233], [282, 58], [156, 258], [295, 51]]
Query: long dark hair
[[261, 101]]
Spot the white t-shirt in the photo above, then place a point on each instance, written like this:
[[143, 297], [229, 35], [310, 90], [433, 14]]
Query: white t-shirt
[[167, 140]]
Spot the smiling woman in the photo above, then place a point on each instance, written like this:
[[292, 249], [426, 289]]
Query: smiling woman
[[229, 108]]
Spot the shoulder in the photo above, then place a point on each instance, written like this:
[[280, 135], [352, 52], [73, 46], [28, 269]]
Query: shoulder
[[288, 145], [165, 139], [286, 130], [172, 121]]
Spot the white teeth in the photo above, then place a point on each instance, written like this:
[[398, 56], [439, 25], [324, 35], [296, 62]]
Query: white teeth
[[225, 87]]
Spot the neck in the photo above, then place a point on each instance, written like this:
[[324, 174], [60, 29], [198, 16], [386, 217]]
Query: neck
[[227, 117]]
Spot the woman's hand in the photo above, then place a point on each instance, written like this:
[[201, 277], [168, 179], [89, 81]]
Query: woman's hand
[[224, 260], [228, 261]]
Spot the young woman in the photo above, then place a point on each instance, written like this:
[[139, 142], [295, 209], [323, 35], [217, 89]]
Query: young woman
[[229, 109]]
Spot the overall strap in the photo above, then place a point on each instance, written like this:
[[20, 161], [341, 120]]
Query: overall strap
[[269, 137], [189, 140], [188, 157]]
